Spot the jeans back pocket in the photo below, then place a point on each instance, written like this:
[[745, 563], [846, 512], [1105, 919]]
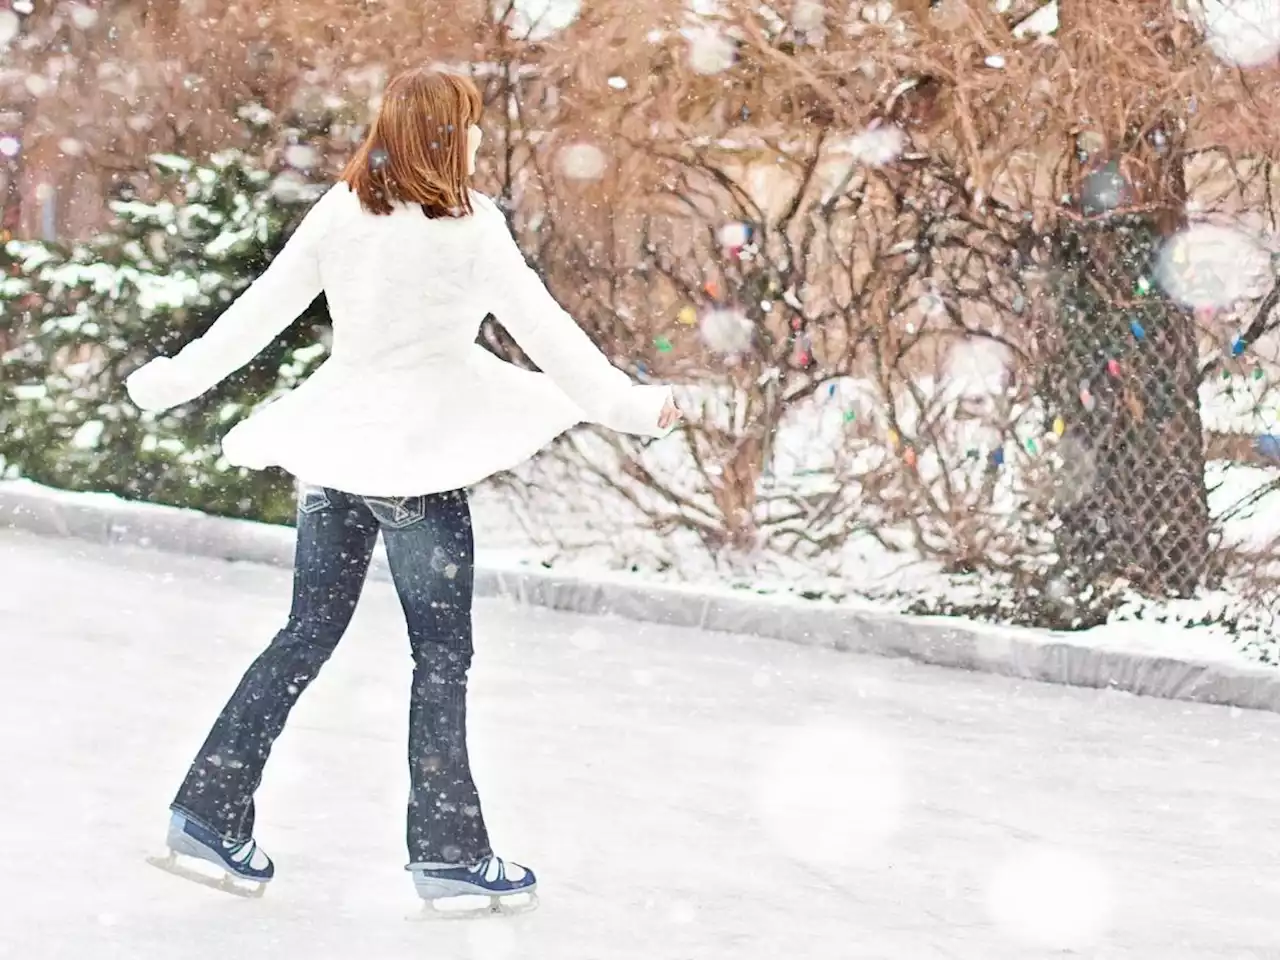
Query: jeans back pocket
[[312, 500], [396, 513]]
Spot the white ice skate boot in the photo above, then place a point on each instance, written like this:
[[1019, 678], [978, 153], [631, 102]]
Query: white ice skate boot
[[201, 855], [491, 887]]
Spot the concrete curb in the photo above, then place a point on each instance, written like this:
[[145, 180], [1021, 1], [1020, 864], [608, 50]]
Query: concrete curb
[[106, 520]]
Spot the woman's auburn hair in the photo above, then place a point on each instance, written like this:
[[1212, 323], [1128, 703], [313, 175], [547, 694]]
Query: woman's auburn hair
[[416, 150]]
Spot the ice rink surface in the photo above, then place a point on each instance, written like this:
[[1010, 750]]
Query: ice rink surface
[[681, 794]]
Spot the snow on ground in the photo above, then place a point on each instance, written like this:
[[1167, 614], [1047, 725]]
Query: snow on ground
[[683, 795]]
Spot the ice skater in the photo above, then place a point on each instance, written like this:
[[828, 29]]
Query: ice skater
[[405, 414]]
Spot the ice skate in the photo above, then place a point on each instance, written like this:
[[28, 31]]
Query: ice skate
[[492, 887], [199, 854]]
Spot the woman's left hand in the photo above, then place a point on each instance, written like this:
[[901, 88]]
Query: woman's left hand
[[149, 386], [670, 415]]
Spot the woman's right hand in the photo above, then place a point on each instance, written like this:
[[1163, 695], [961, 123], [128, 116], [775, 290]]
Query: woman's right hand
[[670, 415]]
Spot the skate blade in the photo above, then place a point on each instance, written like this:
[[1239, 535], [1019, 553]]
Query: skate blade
[[477, 907], [181, 866]]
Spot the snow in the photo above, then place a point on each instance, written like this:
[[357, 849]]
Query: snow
[[881, 12], [302, 156], [1042, 23], [1053, 899], [710, 51], [642, 770], [153, 291], [230, 240], [1241, 405], [733, 235], [538, 19], [601, 542], [83, 16], [10, 26], [877, 146], [582, 161], [172, 162], [885, 583], [726, 331], [88, 435], [795, 783], [1244, 33], [1208, 266], [867, 574], [808, 15]]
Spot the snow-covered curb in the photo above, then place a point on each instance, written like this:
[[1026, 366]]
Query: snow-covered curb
[[933, 640]]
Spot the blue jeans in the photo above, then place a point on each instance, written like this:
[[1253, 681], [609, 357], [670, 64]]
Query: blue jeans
[[431, 554]]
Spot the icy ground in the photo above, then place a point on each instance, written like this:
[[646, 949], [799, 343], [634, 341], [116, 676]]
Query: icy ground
[[683, 795]]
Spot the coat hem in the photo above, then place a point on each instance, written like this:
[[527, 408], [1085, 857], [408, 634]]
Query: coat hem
[[442, 482]]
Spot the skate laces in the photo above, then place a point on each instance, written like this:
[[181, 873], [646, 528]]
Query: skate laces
[[493, 868], [246, 852]]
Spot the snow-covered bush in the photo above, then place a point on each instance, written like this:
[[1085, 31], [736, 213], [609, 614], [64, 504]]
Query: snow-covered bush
[[75, 322]]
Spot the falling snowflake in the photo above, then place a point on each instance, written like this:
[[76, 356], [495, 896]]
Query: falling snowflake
[[582, 161], [82, 16], [1210, 266], [977, 366], [301, 157], [726, 331]]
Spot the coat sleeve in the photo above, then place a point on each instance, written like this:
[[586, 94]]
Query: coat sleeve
[[247, 327], [560, 348]]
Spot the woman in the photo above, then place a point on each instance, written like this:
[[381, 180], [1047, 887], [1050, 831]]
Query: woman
[[385, 438]]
